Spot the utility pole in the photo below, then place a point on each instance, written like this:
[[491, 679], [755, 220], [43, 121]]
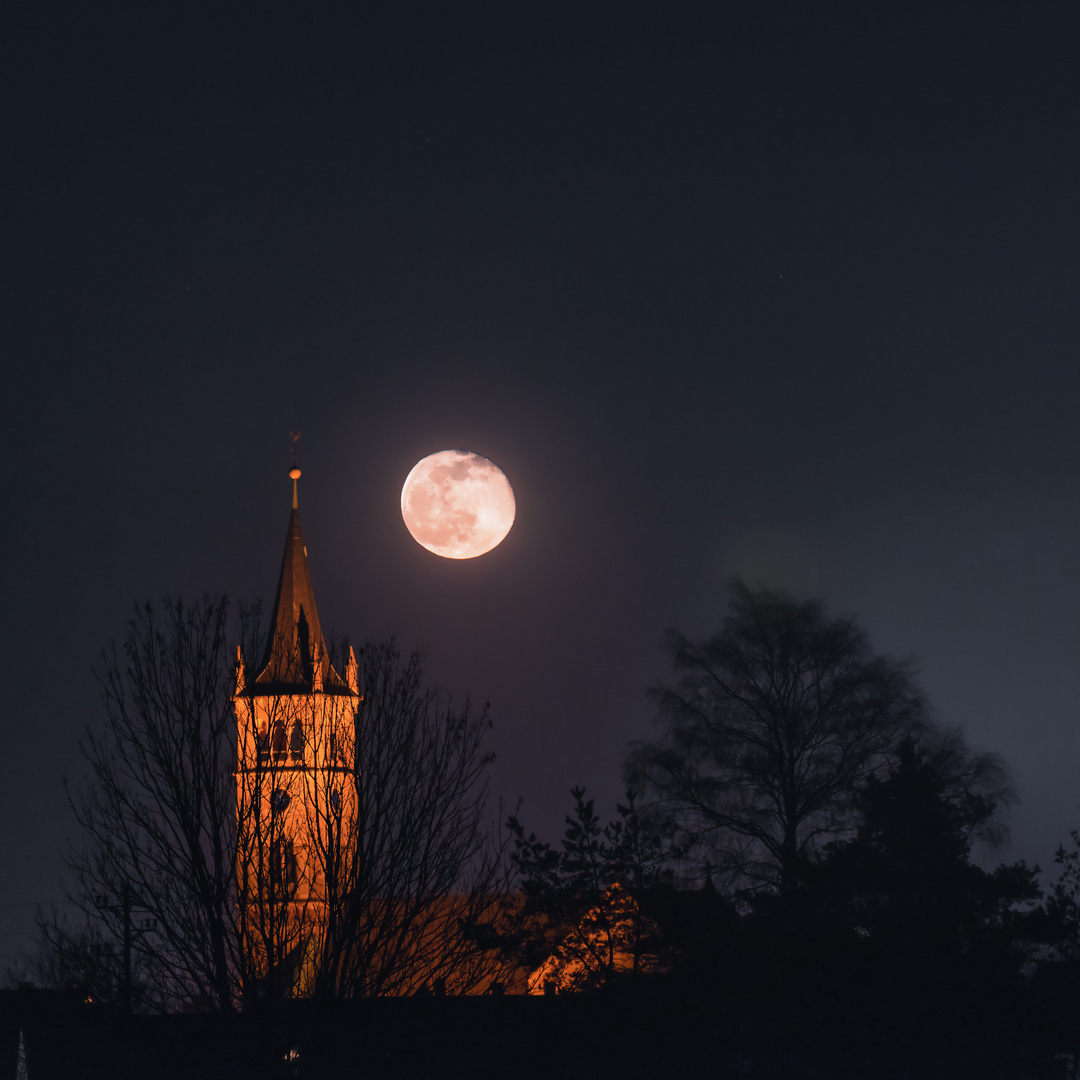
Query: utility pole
[[129, 934], [126, 902]]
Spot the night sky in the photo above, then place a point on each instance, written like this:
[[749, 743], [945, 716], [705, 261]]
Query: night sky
[[784, 290]]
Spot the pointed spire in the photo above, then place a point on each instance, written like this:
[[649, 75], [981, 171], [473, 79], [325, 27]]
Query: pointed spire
[[295, 647]]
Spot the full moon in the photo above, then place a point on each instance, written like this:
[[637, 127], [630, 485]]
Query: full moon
[[457, 504]]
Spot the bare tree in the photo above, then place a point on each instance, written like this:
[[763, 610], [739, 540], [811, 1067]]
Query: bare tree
[[157, 851], [183, 863], [769, 728], [422, 876]]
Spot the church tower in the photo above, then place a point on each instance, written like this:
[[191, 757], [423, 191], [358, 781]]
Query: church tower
[[295, 787]]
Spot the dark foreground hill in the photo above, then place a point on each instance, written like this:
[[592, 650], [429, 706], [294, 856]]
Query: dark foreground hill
[[594, 1037]]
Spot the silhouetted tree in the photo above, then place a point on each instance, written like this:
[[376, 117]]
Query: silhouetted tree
[[1063, 904], [769, 730], [909, 869], [1055, 981], [157, 808], [423, 874], [927, 927], [893, 933], [583, 923]]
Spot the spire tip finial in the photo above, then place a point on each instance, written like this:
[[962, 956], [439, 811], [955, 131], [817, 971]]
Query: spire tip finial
[[294, 472]]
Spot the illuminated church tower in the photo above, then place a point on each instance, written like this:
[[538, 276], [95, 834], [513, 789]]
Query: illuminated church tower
[[295, 795]]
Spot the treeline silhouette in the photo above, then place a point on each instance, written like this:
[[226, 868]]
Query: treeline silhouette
[[795, 849], [786, 889]]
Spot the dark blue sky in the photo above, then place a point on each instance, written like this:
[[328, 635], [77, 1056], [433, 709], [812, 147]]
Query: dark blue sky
[[774, 288]]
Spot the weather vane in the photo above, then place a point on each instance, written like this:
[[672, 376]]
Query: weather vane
[[295, 436]]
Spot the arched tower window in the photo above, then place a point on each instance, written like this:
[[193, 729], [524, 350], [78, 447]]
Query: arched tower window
[[278, 743], [303, 635], [283, 868], [296, 741]]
